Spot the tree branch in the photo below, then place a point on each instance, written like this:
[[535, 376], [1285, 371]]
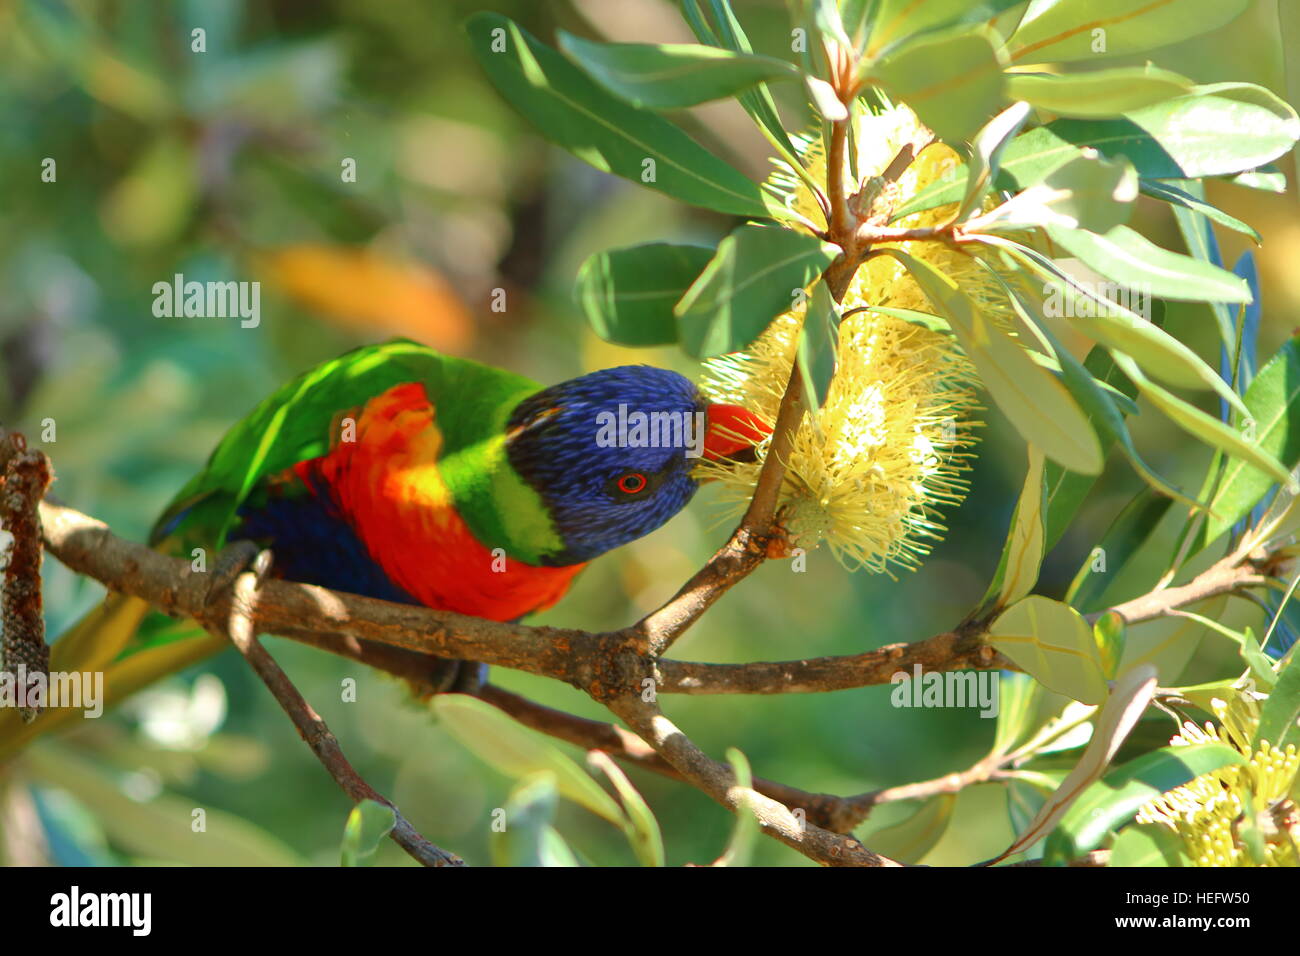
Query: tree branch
[[313, 730]]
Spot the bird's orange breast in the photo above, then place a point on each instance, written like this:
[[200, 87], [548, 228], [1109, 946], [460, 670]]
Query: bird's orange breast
[[387, 484]]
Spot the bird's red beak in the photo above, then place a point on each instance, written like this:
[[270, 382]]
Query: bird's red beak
[[731, 429]]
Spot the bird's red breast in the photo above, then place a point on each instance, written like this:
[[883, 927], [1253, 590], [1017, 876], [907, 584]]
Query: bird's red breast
[[388, 486]]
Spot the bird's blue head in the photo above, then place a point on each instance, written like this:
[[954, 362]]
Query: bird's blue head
[[611, 453]]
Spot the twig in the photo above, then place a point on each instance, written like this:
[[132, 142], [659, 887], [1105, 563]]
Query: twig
[[239, 628]]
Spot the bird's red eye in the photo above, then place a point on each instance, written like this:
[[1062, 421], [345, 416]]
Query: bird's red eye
[[633, 483]]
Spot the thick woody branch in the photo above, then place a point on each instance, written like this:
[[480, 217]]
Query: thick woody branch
[[24, 477]]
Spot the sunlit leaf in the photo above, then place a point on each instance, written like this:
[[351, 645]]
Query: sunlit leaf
[[671, 75], [752, 278], [628, 294], [1051, 642], [574, 112]]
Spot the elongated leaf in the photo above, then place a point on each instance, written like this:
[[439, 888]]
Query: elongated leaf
[[1086, 192], [672, 75], [1172, 194], [515, 751], [1273, 401], [1110, 635], [368, 823], [818, 340], [1132, 527], [740, 847], [161, 828], [752, 278], [910, 840], [1201, 425], [628, 294], [1018, 698], [1279, 718], [986, 155], [1098, 93], [1051, 642], [1114, 799], [1022, 555], [1092, 303], [1035, 402], [952, 81], [574, 112], [643, 829], [1133, 260], [1105, 394], [1085, 29], [1203, 134], [894, 21], [1150, 845], [529, 839], [758, 102], [1123, 707]]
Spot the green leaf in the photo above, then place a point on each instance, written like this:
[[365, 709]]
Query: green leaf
[[368, 823], [1097, 93], [1081, 295], [910, 840], [1205, 134], [1030, 396], [1132, 260], [1022, 554], [1279, 718], [896, 21], [160, 828], [986, 155], [572, 111], [752, 278], [1086, 192], [643, 829], [1200, 424], [515, 751], [1132, 694], [1104, 393], [952, 81], [1168, 192], [1150, 845], [1273, 401], [818, 340], [740, 848], [1132, 527], [1018, 697], [758, 102], [1051, 642], [1114, 799], [672, 75], [628, 294], [1085, 29], [528, 838], [1109, 633]]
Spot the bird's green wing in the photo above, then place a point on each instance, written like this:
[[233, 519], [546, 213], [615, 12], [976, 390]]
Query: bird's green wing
[[294, 424]]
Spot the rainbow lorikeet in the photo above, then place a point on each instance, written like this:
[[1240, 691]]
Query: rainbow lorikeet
[[400, 473]]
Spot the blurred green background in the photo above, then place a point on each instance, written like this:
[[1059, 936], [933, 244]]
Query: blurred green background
[[226, 164]]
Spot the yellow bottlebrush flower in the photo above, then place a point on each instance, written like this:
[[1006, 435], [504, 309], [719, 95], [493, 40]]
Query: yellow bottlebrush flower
[[892, 440], [1209, 813]]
